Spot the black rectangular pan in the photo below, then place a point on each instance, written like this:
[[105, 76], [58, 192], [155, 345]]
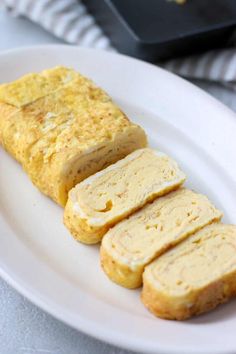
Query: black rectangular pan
[[159, 29]]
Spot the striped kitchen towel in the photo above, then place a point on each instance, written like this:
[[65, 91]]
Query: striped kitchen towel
[[69, 20]]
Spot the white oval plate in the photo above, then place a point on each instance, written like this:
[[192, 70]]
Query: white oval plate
[[41, 260]]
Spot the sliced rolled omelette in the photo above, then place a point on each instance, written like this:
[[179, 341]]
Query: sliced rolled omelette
[[129, 246], [62, 128], [100, 201], [194, 277]]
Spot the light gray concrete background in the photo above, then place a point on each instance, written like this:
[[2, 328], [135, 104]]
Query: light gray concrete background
[[24, 328]]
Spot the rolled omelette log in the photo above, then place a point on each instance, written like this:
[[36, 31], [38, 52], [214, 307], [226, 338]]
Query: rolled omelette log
[[62, 128], [194, 277], [103, 199], [132, 244]]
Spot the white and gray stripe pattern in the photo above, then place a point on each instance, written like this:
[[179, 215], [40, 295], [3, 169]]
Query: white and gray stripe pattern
[[69, 20], [216, 65], [66, 19]]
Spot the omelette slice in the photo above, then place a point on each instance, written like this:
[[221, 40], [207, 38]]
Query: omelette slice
[[128, 247], [194, 277], [62, 128], [100, 201]]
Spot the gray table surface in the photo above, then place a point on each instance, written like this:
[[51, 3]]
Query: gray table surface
[[24, 328]]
